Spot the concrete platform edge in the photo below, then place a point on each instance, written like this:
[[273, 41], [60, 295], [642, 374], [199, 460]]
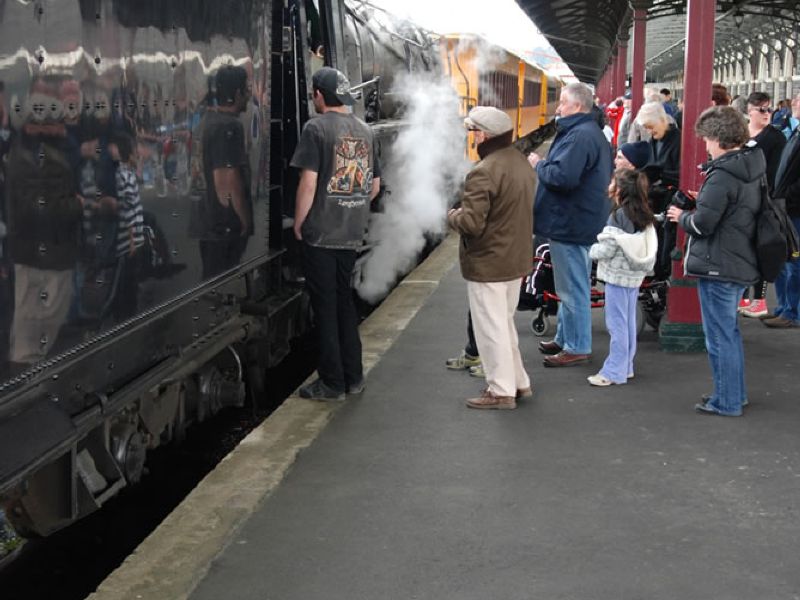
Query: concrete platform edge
[[173, 559]]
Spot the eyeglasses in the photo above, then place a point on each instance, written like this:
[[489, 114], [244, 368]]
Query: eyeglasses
[[762, 109], [473, 129]]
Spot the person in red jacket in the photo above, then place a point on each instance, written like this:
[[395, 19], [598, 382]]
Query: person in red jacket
[[614, 113]]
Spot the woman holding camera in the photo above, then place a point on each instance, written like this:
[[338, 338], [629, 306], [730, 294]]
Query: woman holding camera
[[721, 249]]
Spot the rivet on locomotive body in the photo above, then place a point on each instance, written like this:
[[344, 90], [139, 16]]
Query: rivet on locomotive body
[[42, 249], [43, 340]]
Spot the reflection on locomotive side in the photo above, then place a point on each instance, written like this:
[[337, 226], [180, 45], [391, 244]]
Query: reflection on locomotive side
[[6, 267], [130, 146], [43, 209], [222, 177]]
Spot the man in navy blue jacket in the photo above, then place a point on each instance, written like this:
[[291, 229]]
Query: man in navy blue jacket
[[571, 209]]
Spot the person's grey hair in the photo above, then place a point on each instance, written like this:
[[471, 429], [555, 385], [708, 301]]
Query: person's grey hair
[[581, 94], [651, 95], [740, 104], [651, 114], [723, 124]]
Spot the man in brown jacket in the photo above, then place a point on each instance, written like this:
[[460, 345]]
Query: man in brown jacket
[[495, 221]]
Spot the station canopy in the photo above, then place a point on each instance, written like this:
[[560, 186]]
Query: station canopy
[[585, 32]]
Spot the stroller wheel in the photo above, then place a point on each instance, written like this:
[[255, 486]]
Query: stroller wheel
[[540, 325]]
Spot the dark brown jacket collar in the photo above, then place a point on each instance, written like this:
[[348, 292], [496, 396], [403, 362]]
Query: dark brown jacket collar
[[493, 144]]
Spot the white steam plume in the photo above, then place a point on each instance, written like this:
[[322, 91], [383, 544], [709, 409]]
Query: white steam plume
[[427, 166]]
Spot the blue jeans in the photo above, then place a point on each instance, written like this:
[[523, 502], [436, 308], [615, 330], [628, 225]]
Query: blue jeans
[[718, 303], [621, 324], [572, 270], [787, 287]]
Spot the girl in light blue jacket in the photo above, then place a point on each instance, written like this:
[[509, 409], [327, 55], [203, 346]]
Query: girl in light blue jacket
[[625, 253]]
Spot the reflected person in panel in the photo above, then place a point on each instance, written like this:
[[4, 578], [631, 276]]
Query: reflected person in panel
[[226, 210]]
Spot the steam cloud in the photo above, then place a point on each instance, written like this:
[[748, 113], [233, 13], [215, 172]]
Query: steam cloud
[[427, 165]]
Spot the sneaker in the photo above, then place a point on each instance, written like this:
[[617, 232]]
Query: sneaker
[[355, 388], [317, 390], [705, 408], [464, 361], [756, 310], [477, 371], [744, 304], [599, 380], [489, 401], [706, 397]]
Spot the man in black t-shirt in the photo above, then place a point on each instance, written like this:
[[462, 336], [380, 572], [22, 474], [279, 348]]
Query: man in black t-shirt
[[340, 176], [225, 211]]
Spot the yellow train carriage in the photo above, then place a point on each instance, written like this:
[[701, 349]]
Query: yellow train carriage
[[491, 76]]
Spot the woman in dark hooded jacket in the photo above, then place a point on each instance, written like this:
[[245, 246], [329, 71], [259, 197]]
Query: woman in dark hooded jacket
[[721, 249]]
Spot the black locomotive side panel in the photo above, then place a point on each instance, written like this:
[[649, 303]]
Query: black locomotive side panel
[[134, 137]]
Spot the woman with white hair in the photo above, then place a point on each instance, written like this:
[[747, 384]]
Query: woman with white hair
[[636, 132], [665, 144]]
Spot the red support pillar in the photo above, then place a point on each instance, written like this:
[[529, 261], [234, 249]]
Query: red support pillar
[[622, 64], [639, 47], [681, 330], [612, 75], [603, 87]]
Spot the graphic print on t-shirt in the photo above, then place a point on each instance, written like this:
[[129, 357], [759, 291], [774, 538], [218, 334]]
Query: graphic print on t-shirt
[[351, 169]]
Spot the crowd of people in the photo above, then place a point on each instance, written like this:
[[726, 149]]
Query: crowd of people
[[594, 197], [584, 218]]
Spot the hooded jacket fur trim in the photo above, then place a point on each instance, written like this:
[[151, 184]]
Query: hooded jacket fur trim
[[624, 259]]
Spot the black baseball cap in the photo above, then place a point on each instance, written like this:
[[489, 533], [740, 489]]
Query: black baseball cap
[[334, 82]]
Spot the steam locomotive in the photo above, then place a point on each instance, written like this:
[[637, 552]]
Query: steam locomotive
[[131, 305]]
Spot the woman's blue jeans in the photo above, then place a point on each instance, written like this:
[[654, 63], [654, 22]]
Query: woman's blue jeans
[[718, 303], [572, 270]]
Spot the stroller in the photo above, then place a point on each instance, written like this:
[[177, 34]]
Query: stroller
[[538, 293]]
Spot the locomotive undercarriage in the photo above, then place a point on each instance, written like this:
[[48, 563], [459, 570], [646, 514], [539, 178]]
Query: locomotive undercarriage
[[90, 457]]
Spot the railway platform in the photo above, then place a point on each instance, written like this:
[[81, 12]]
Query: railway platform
[[584, 493]]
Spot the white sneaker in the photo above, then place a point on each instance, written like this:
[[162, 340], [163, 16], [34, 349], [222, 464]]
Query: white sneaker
[[477, 371], [599, 380]]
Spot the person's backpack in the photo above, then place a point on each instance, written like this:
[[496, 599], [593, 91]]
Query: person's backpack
[[776, 238]]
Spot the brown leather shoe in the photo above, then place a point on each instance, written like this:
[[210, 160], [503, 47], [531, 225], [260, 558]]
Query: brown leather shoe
[[524, 393], [549, 347], [489, 400], [564, 359], [779, 323]]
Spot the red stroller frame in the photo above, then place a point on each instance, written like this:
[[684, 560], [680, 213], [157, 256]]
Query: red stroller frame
[[538, 293]]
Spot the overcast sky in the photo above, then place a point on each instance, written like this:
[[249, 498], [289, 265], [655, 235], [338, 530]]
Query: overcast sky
[[502, 22]]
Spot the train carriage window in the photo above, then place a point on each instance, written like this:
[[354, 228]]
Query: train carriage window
[[531, 93], [498, 89], [552, 93]]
